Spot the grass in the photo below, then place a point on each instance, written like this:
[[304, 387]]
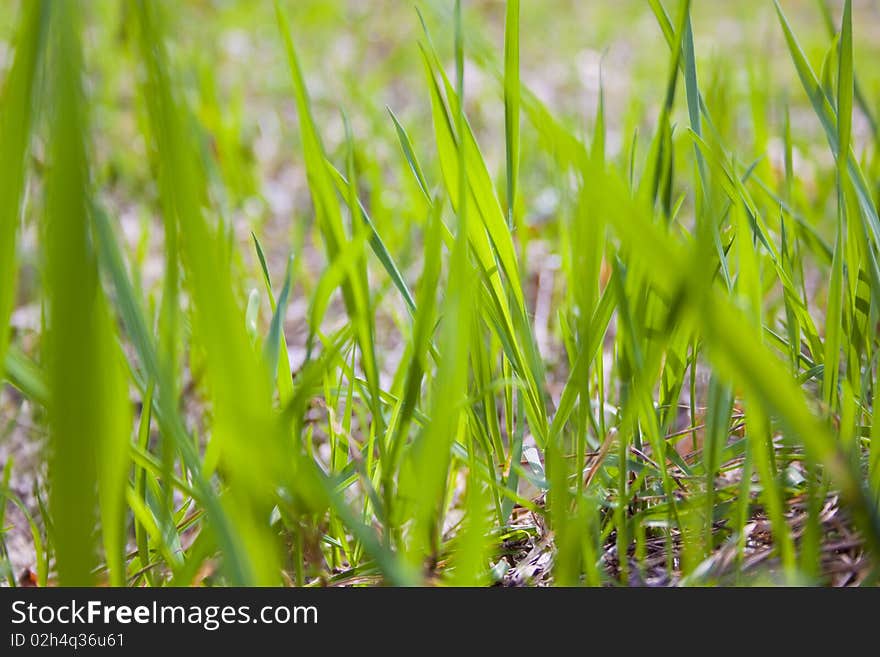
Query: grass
[[418, 375]]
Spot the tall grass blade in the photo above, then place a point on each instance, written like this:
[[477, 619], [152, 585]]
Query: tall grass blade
[[90, 417], [19, 103]]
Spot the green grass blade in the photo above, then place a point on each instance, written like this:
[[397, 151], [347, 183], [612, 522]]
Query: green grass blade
[[26, 375], [279, 369], [845, 82], [376, 244], [409, 154], [240, 391], [285, 383], [18, 105], [511, 104], [89, 415]]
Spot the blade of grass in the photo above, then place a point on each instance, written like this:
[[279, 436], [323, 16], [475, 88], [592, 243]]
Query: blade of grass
[[285, 382], [329, 215], [511, 104], [19, 103], [89, 415]]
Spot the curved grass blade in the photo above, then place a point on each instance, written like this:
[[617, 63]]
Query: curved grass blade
[[376, 243], [410, 155]]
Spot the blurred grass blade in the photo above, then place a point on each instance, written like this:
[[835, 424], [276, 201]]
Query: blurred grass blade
[[90, 418], [845, 83], [511, 104], [26, 375], [240, 391], [19, 103]]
